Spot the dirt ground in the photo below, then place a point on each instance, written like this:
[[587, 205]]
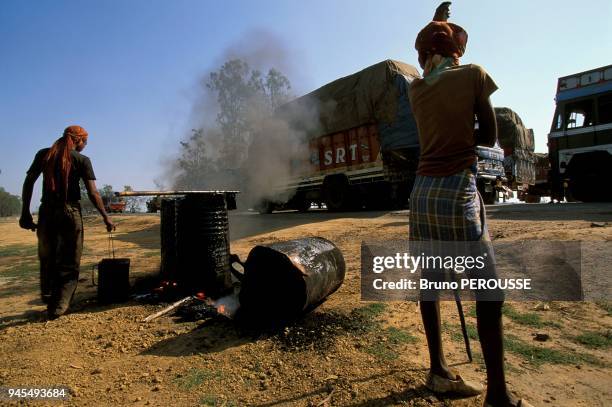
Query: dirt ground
[[345, 353]]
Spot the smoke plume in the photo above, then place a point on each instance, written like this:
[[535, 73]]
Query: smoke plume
[[240, 140]]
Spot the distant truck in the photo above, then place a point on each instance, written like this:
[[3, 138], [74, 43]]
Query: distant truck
[[154, 204], [518, 144], [541, 186], [364, 151], [580, 139], [114, 204]]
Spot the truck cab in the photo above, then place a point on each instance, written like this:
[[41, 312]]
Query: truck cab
[[491, 176], [580, 139]]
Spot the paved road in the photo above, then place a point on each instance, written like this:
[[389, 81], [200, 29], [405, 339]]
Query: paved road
[[247, 223]]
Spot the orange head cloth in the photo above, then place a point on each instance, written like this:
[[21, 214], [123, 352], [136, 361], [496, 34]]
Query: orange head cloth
[[442, 38], [57, 162]]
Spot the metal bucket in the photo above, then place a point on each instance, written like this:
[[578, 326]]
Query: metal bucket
[[284, 280], [113, 280]]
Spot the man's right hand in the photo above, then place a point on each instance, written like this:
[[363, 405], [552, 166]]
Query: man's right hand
[[26, 222], [110, 226]]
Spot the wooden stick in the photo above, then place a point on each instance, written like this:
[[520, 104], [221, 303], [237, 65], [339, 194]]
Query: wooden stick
[[168, 308]]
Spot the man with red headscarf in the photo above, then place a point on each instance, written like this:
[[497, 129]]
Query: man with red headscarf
[[444, 202], [60, 225]]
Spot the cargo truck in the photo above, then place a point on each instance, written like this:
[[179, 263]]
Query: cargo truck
[[517, 141], [580, 139], [364, 150], [541, 186]]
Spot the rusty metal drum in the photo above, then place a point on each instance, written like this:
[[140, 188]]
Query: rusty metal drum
[[284, 280]]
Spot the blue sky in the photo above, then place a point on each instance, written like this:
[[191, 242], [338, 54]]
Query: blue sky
[[129, 70]]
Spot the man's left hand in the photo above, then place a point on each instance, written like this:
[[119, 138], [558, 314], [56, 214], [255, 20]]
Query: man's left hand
[[26, 222], [110, 226]]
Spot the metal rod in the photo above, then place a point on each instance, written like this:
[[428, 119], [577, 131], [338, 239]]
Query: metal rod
[[466, 338], [167, 193]]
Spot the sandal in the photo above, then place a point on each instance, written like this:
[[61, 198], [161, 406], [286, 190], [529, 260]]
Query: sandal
[[460, 387]]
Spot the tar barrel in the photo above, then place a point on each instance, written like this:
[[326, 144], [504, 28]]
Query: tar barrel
[[168, 238], [286, 279], [113, 280], [202, 243]]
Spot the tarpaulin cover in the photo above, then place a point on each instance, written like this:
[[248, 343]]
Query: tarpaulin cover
[[511, 132], [376, 95], [518, 144]]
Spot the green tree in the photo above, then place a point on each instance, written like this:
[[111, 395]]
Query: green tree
[[245, 97], [193, 164], [234, 86], [106, 192], [10, 205]]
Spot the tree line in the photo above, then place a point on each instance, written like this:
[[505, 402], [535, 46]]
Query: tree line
[[10, 205]]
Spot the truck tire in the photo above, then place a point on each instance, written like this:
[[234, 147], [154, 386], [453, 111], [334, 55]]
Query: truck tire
[[589, 179], [264, 207], [489, 198], [303, 205], [337, 194]]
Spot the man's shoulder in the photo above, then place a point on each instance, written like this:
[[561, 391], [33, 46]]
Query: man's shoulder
[[467, 69], [41, 154], [466, 74], [78, 156], [43, 151]]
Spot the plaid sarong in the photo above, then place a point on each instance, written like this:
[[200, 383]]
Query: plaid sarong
[[447, 208], [450, 209]]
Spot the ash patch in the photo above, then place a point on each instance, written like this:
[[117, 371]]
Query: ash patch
[[319, 331]]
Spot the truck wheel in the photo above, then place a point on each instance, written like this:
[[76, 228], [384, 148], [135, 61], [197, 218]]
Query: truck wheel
[[336, 194], [569, 197], [588, 176], [488, 197], [265, 207], [303, 205], [531, 198]]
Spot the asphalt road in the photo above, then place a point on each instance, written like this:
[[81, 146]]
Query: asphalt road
[[249, 223]]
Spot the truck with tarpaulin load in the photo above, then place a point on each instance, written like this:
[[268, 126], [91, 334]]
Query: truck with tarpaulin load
[[580, 139], [518, 144], [364, 150]]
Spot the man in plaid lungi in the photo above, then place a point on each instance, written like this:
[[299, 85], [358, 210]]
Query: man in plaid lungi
[[444, 203]]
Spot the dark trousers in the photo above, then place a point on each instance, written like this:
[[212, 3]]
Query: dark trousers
[[60, 245]]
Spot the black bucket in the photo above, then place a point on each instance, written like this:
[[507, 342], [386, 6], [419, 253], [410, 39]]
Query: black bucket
[[113, 280], [284, 280]]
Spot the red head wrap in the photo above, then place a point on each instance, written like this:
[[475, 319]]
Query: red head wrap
[[75, 132], [442, 38]]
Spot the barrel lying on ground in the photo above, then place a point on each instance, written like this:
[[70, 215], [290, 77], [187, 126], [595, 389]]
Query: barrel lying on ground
[[284, 280]]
